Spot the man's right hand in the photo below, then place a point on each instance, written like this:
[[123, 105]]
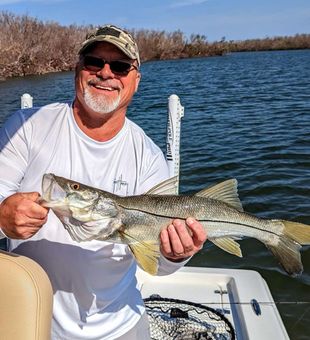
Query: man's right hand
[[21, 216]]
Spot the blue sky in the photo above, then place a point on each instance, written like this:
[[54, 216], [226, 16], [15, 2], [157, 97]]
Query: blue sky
[[233, 19]]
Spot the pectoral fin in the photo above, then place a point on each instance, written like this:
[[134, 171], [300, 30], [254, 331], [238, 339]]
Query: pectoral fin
[[146, 252], [228, 244]]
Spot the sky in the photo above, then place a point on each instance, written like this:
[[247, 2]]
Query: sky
[[215, 19]]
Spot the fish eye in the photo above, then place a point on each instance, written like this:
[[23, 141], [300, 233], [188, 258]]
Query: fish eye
[[75, 186]]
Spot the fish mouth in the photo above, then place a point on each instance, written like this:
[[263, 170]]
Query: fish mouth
[[52, 193]]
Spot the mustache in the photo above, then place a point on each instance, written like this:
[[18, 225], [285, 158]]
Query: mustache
[[104, 83]]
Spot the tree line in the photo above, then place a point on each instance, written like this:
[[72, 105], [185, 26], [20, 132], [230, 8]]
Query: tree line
[[30, 46]]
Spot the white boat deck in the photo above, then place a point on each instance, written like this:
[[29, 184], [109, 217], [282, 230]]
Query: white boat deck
[[226, 290]]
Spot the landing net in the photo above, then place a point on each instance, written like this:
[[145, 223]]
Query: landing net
[[172, 319]]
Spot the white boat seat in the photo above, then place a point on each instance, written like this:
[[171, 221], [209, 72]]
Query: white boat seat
[[26, 297]]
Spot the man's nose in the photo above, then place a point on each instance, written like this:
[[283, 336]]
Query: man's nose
[[105, 72]]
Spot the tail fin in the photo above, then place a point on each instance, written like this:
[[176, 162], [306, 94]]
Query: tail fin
[[297, 231], [289, 244]]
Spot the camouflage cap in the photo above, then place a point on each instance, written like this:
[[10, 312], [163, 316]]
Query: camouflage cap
[[116, 36]]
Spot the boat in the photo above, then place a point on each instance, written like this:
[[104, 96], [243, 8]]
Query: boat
[[227, 303], [26, 297], [239, 297], [192, 303]]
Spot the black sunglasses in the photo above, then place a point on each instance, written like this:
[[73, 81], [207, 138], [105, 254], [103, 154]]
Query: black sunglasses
[[94, 64]]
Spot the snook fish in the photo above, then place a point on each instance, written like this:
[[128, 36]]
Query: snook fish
[[89, 213]]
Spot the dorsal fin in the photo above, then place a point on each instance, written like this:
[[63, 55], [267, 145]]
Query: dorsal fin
[[167, 187], [226, 192]]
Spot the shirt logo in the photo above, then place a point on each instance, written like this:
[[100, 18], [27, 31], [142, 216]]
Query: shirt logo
[[120, 187]]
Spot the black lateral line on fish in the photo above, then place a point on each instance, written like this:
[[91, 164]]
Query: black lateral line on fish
[[201, 220], [242, 224]]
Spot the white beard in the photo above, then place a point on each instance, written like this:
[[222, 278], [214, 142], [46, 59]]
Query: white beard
[[100, 104]]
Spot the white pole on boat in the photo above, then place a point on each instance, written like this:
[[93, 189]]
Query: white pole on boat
[[175, 113], [26, 101]]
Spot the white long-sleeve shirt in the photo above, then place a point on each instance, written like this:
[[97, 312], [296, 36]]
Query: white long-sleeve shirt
[[95, 288]]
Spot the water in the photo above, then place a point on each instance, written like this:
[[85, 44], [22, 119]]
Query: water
[[247, 116]]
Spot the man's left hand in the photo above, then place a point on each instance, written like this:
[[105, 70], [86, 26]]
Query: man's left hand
[[180, 241]]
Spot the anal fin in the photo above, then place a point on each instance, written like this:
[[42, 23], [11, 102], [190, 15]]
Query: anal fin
[[228, 244]]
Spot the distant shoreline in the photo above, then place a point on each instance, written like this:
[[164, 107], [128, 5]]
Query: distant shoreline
[[2, 79], [33, 47]]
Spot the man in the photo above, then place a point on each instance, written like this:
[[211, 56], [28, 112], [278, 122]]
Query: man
[[90, 141]]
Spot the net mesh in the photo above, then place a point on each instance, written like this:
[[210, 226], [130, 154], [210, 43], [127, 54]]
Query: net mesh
[[178, 319]]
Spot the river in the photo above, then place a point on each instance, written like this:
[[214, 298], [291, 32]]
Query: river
[[247, 116]]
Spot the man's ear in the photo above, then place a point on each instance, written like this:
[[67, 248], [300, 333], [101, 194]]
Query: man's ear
[[78, 67], [138, 78]]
